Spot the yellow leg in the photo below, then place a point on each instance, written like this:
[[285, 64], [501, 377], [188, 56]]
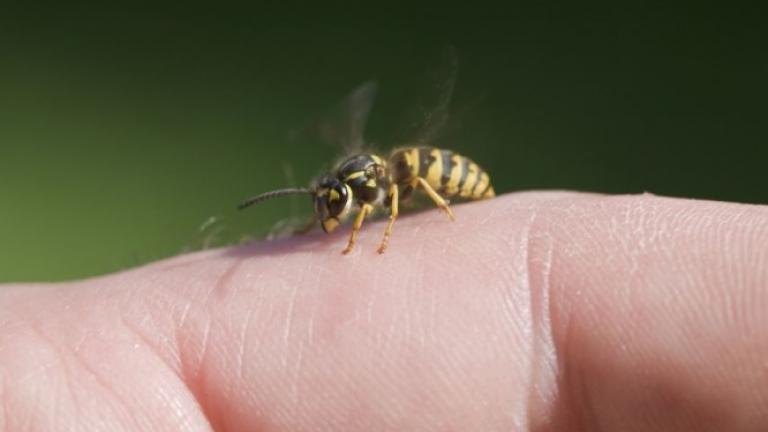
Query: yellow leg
[[439, 201], [365, 210], [393, 210]]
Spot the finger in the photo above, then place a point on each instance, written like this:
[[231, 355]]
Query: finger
[[285, 334], [468, 325], [656, 312]]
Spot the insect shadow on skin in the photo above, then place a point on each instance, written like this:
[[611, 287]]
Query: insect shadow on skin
[[366, 181]]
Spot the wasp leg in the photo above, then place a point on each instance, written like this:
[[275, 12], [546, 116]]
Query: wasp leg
[[439, 201], [365, 210], [393, 210]]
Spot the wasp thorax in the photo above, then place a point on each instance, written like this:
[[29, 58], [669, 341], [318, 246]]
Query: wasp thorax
[[333, 199]]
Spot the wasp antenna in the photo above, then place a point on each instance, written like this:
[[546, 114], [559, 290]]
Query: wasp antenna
[[273, 194]]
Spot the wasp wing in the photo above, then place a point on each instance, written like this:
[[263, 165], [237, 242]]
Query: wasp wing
[[343, 125], [356, 108], [433, 112]]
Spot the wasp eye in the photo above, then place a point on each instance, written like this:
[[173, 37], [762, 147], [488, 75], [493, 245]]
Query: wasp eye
[[331, 198], [337, 199]]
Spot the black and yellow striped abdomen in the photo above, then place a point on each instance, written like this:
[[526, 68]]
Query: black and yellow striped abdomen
[[449, 173]]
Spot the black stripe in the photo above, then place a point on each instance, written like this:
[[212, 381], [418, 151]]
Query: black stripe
[[464, 172], [479, 176], [425, 161], [401, 170], [447, 167]]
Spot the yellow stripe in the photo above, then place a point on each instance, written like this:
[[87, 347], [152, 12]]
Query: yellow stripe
[[489, 193], [354, 175], [435, 169], [412, 159], [451, 188], [377, 159], [416, 166], [481, 185], [469, 183]]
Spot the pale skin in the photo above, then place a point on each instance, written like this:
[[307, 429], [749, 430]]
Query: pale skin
[[531, 312]]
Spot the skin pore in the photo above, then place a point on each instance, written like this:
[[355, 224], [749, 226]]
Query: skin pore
[[536, 311]]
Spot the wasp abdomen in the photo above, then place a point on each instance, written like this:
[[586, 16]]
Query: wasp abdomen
[[449, 173]]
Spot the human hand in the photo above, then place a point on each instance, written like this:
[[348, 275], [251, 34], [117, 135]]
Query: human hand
[[533, 311]]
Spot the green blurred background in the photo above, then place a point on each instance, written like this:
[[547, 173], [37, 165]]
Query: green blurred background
[[124, 127]]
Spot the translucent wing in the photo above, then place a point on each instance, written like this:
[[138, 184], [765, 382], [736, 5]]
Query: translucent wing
[[344, 124], [356, 108], [433, 111], [290, 227]]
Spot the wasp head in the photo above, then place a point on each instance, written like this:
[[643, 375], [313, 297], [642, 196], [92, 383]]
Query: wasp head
[[333, 199]]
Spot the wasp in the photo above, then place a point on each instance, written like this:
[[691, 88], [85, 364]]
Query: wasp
[[366, 181]]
